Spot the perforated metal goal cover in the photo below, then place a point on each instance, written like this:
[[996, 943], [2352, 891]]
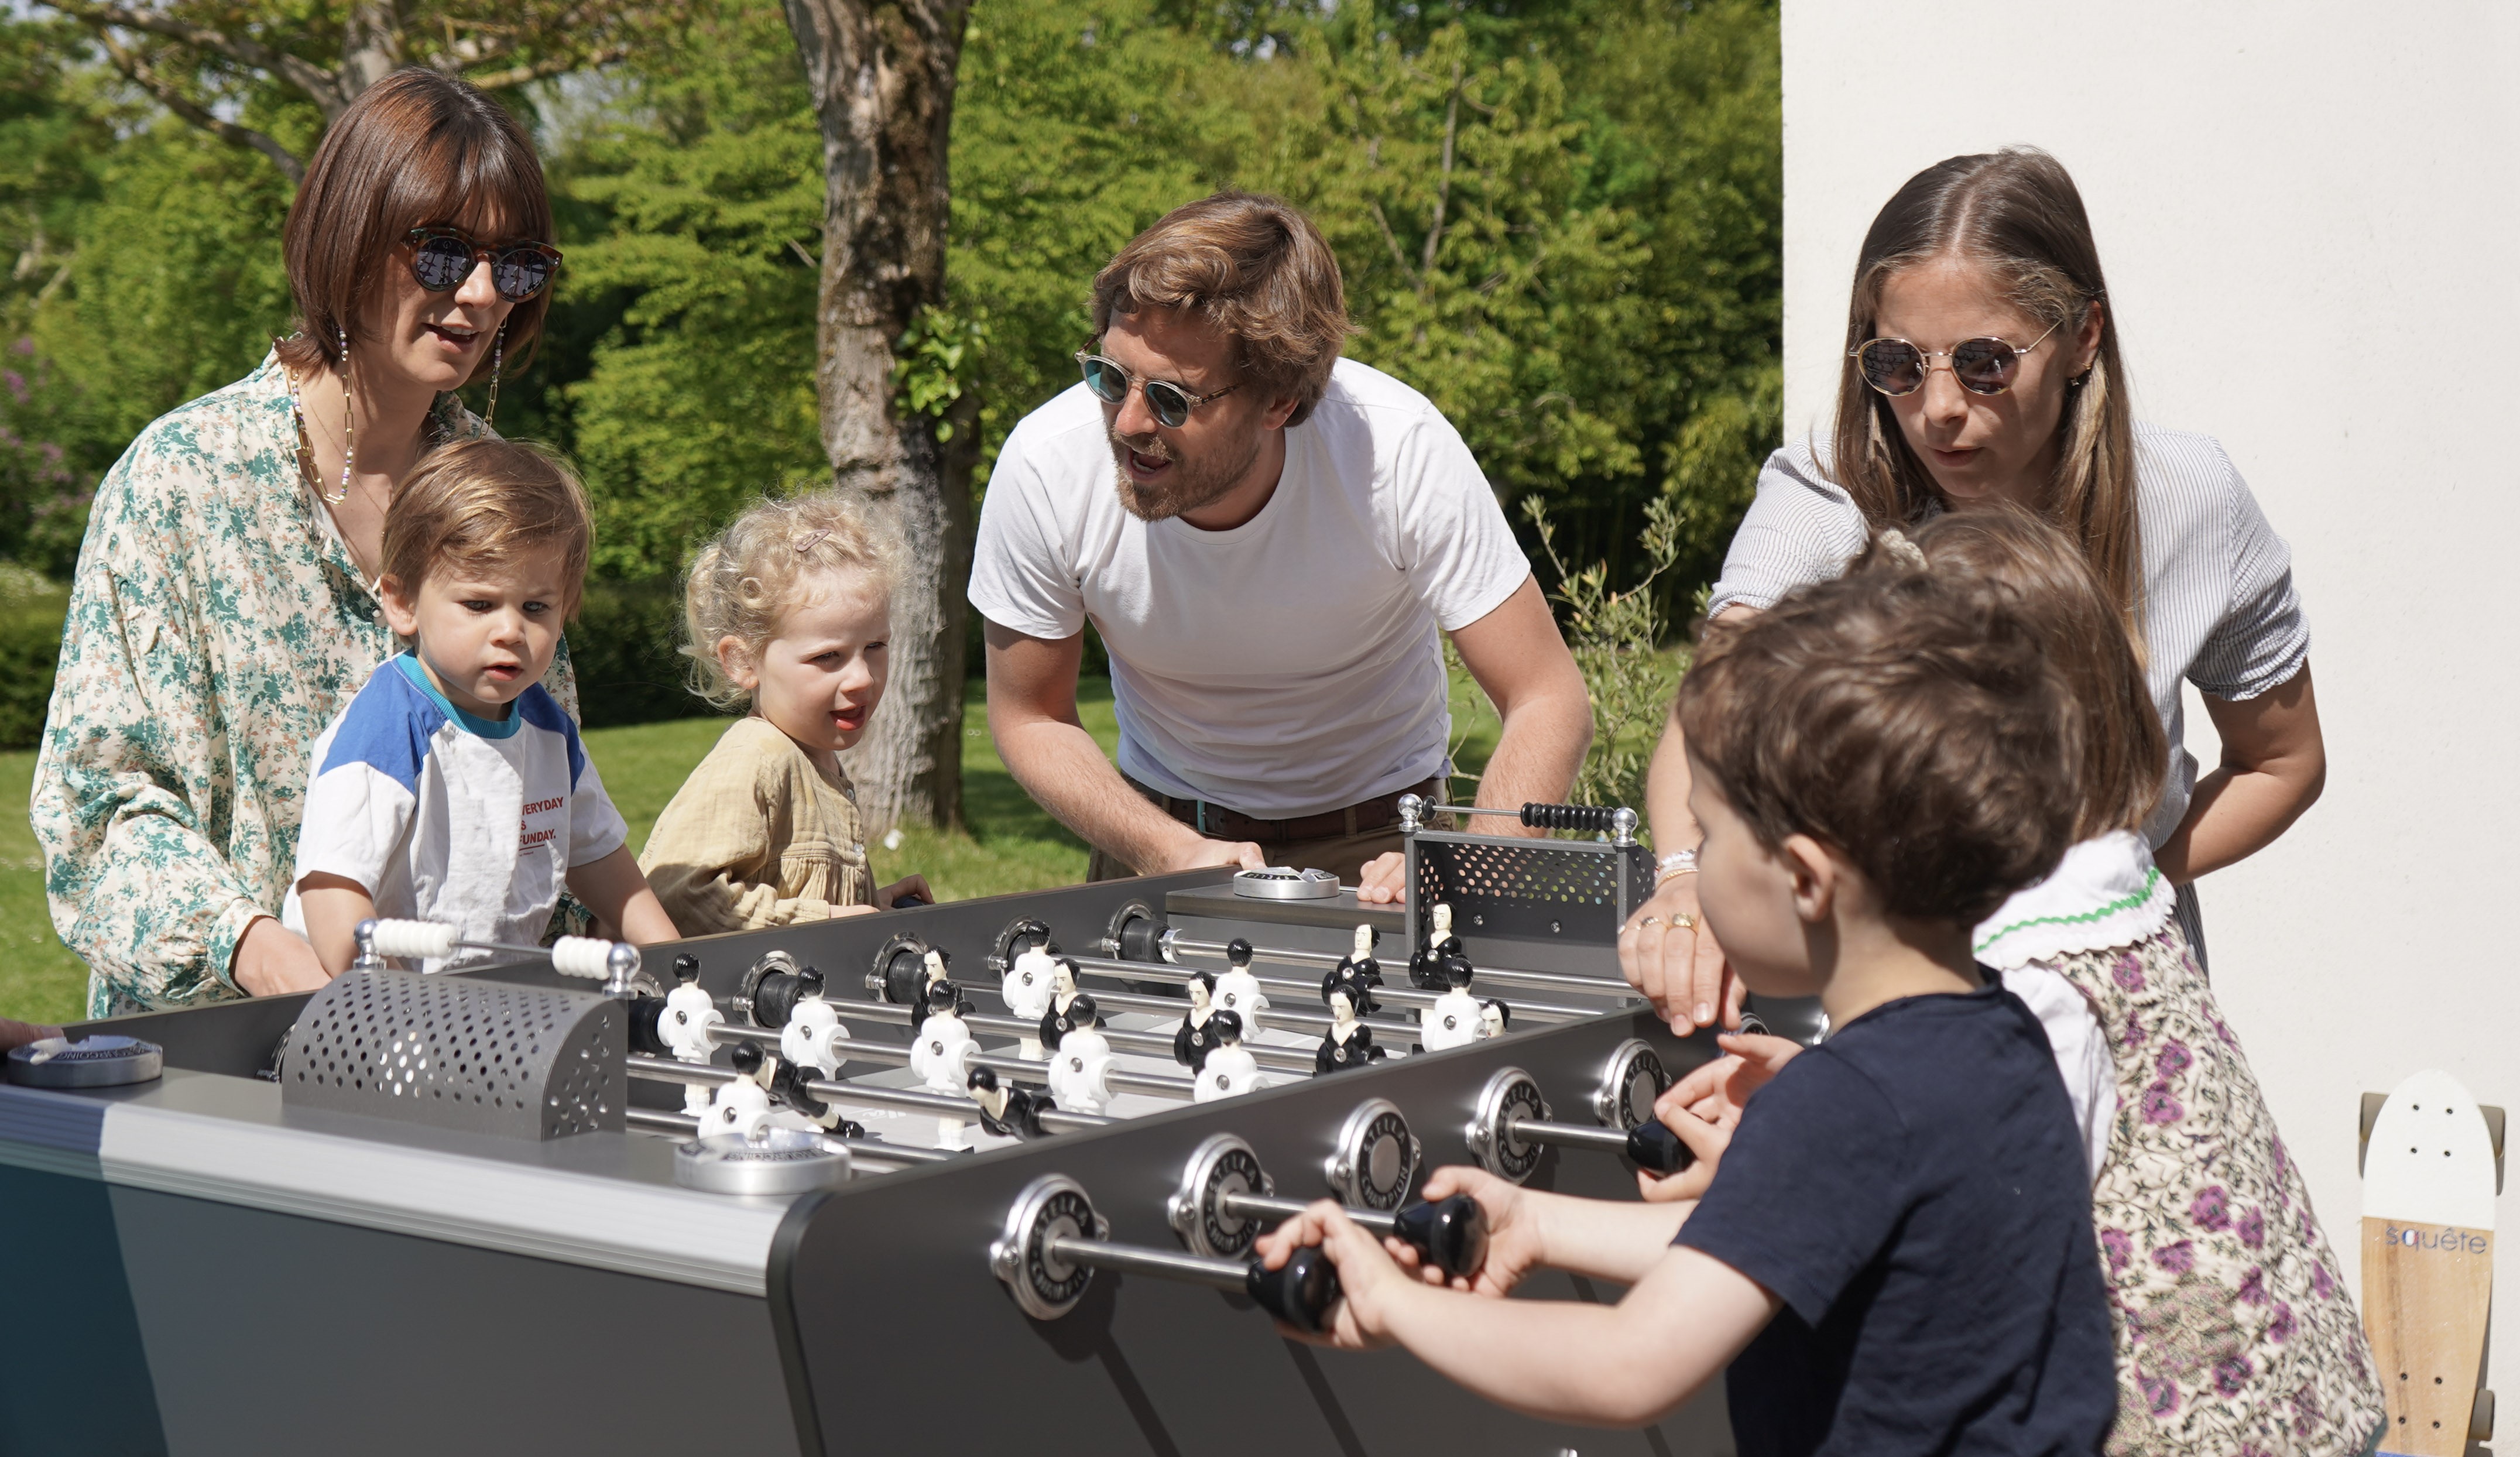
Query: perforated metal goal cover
[[1531, 887], [454, 1052]]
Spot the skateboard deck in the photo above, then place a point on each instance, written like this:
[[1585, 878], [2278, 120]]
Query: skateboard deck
[[2428, 1260]]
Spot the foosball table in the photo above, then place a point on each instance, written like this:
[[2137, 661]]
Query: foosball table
[[982, 1176]]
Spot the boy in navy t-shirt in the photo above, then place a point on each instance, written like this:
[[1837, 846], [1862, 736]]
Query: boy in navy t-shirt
[[453, 787], [1895, 1254]]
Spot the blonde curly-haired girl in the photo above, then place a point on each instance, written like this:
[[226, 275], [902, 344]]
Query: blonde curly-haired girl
[[787, 615]]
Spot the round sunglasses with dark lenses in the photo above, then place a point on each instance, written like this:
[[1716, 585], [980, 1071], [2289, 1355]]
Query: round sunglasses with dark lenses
[[442, 257], [1982, 366], [1170, 403]]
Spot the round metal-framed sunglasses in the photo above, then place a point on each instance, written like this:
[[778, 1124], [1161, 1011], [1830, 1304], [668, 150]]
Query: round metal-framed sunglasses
[[1170, 403], [442, 257], [1982, 366]]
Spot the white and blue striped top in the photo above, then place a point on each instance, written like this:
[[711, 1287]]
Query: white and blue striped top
[[2220, 610]]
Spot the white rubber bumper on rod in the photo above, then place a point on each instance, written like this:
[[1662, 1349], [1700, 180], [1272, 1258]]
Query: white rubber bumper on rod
[[583, 956], [428, 941]]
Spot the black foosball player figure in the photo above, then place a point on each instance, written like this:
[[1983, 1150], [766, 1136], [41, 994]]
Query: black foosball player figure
[[1426, 963], [1360, 990], [1197, 1036], [1359, 963], [1011, 1110], [1494, 1018], [1349, 1043], [1056, 1023]]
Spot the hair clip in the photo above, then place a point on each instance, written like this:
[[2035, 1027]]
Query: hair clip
[[812, 540], [1898, 548]]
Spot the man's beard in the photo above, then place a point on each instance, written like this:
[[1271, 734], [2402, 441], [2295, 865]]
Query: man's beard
[[1189, 486]]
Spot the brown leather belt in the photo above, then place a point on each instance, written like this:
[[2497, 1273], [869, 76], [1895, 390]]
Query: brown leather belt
[[1214, 820]]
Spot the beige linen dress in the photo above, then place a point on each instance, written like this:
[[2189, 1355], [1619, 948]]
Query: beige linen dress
[[757, 837]]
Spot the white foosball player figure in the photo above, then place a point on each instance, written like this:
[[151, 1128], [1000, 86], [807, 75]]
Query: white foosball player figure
[[740, 1109], [1494, 1018], [1426, 963], [942, 1056], [690, 1011], [1454, 1020], [1029, 983], [1237, 990], [1229, 1070], [806, 1040], [1080, 1056]]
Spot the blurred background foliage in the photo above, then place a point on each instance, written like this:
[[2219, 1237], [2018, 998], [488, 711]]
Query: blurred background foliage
[[1559, 219]]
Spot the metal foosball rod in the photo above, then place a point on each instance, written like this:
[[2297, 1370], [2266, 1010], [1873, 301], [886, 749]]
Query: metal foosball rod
[[1284, 1058], [612, 963], [1274, 1015], [1225, 1199], [863, 1095], [1563, 981], [1510, 1126], [1054, 1242], [1387, 994]]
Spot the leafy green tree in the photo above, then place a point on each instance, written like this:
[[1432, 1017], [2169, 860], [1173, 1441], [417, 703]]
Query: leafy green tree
[[271, 77], [692, 213]]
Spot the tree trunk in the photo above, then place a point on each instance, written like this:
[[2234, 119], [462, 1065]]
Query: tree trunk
[[371, 51], [882, 74]]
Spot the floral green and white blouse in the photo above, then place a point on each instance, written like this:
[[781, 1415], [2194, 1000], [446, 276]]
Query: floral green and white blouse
[[217, 624]]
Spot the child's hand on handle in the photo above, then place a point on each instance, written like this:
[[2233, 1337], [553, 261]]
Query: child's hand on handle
[[1668, 954], [887, 897], [1368, 1278], [1705, 1106], [1513, 1231]]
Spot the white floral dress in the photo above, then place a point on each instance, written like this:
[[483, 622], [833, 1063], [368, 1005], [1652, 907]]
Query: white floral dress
[[2235, 1335], [217, 624]]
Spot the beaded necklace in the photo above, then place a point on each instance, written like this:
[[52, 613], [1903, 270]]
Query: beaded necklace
[[350, 431]]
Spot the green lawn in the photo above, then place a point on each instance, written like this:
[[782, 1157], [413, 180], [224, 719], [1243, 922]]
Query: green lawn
[[40, 980], [1010, 846]]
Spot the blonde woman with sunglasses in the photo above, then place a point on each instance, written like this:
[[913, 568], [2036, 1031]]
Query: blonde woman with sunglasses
[[1982, 366]]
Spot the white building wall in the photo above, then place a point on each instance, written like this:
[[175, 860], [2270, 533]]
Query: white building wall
[[2310, 214]]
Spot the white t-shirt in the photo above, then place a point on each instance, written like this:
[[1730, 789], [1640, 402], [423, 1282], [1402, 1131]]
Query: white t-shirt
[[442, 817], [1293, 663], [2219, 606]]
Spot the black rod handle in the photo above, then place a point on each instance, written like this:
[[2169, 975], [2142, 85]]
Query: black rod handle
[[1300, 1291]]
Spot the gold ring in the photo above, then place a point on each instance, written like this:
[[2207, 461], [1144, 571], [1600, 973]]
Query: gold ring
[[1649, 921], [1684, 921]]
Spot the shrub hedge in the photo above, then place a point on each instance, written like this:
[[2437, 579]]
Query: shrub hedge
[[30, 641], [623, 644]]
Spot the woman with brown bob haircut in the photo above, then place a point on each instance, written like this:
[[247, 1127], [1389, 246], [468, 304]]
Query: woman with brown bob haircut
[[223, 606], [1981, 368]]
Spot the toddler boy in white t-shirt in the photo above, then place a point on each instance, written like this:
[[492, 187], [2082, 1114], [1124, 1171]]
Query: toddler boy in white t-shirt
[[453, 787]]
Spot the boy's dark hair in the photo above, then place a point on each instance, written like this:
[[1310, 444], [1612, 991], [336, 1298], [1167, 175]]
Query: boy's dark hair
[[1908, 721]]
